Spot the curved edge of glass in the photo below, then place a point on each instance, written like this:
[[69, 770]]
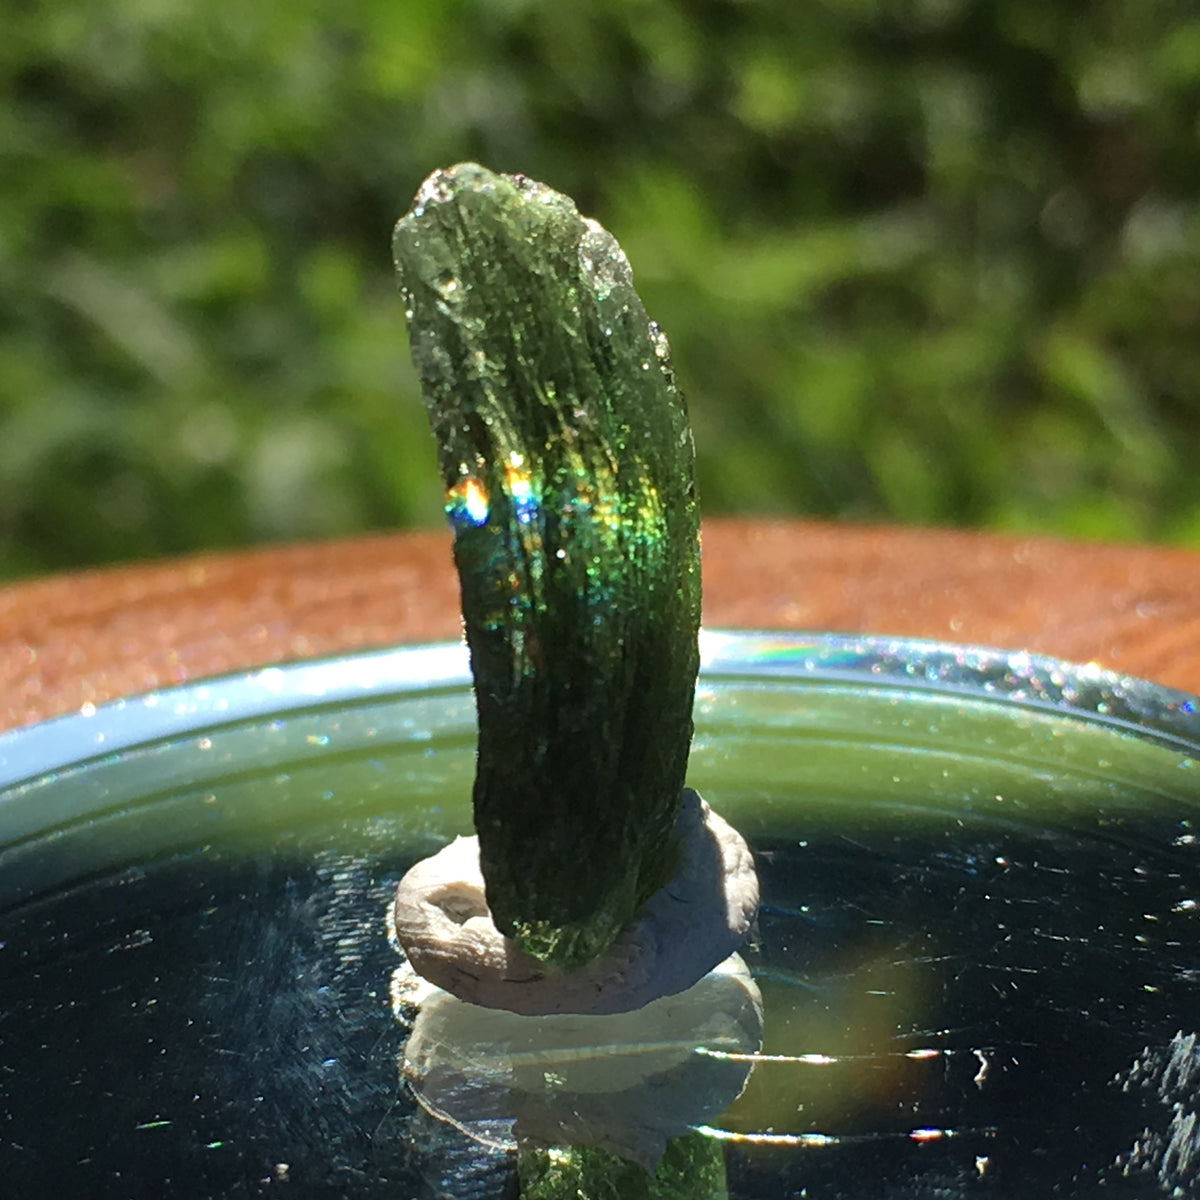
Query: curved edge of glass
[[1086, 690]]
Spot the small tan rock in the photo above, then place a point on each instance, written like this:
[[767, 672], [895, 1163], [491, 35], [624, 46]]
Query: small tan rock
[[692, 923]]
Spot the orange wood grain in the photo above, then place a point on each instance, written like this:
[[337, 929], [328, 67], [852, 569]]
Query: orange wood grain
[[98, 635]]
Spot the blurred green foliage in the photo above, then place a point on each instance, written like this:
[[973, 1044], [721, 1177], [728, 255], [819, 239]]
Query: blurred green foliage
[[926, 260]]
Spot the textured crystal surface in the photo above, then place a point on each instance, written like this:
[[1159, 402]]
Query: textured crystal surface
[[568, 463]]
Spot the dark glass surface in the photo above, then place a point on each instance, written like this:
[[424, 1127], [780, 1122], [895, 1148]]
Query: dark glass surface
[[979, 947]]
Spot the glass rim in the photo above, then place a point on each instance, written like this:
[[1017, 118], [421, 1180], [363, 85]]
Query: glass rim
[[1007, 677]]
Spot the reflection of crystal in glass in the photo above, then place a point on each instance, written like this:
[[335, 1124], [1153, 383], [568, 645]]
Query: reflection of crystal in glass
[[625, 1083]]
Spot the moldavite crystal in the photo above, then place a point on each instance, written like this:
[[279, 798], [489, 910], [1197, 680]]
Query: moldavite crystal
[[568, 462]]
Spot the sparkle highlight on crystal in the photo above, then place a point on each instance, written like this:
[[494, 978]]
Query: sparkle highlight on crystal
[[520, 488], [467, 503]]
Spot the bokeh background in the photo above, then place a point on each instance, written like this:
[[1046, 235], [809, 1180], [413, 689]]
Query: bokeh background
[[930, 261]]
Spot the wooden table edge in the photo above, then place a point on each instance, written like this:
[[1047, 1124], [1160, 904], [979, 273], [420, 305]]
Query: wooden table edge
[[89, 637]]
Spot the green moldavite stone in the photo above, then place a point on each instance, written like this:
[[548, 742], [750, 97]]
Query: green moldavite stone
[[693, 1168], [568, 461]]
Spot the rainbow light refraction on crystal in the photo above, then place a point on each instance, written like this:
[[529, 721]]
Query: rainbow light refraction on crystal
[[467, 502], [567, 458]]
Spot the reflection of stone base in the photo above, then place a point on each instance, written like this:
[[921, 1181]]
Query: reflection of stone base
[[624, 1083], [696, 920]]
